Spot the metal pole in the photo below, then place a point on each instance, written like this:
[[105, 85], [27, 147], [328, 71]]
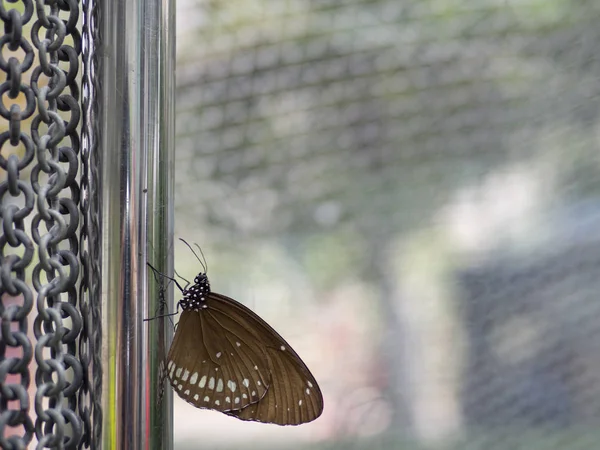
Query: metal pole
[[137, 149]]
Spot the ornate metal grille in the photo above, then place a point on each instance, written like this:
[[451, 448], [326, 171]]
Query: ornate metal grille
[[43, 190]]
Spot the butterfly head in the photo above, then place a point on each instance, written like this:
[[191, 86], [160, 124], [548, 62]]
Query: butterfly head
[[194, 297]]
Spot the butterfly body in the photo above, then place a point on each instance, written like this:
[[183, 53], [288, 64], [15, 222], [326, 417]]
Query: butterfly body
[[194, 297], [226, 358]]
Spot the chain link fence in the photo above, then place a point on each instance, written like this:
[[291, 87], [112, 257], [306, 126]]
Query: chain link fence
[[49, 358], [424, 176]]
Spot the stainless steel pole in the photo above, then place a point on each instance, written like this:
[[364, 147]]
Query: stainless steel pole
[[137, 82]]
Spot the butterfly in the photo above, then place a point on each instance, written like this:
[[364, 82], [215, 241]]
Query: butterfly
[[226, 358]]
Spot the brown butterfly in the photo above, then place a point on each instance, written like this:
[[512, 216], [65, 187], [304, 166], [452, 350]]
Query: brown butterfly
[[225, 357]]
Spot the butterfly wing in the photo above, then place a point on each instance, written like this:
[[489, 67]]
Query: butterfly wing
[[216, 365], [293, 397]]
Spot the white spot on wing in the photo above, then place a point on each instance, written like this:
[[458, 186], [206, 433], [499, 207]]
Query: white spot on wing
[[217, 402], [310, 384], [227, 400], [202, 382], [238, 344], [307, 391], [186, 374], [300, 403], [187, 392], [244, 395], [258, 383], [220, 385], [282, 348], [196, 397], [178, 373], [231, 385], [194, 378], [218, 354], [237, 400], [211, 383], [180, 387], [206, 399], [253, 393], [246, 382]]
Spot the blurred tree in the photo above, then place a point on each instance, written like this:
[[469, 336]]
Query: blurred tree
[[308, 118]]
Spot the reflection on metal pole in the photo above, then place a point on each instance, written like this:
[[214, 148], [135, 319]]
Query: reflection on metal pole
[[137, 150]]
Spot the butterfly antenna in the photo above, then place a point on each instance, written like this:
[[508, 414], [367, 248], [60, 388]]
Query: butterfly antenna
[[203, 257], [195, 254]]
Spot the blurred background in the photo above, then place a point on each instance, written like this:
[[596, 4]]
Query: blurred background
[[409, 191]]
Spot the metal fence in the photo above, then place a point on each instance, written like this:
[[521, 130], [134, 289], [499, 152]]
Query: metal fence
[[424, 176]]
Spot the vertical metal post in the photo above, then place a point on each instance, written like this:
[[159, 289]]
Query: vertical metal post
[[138, 39]]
